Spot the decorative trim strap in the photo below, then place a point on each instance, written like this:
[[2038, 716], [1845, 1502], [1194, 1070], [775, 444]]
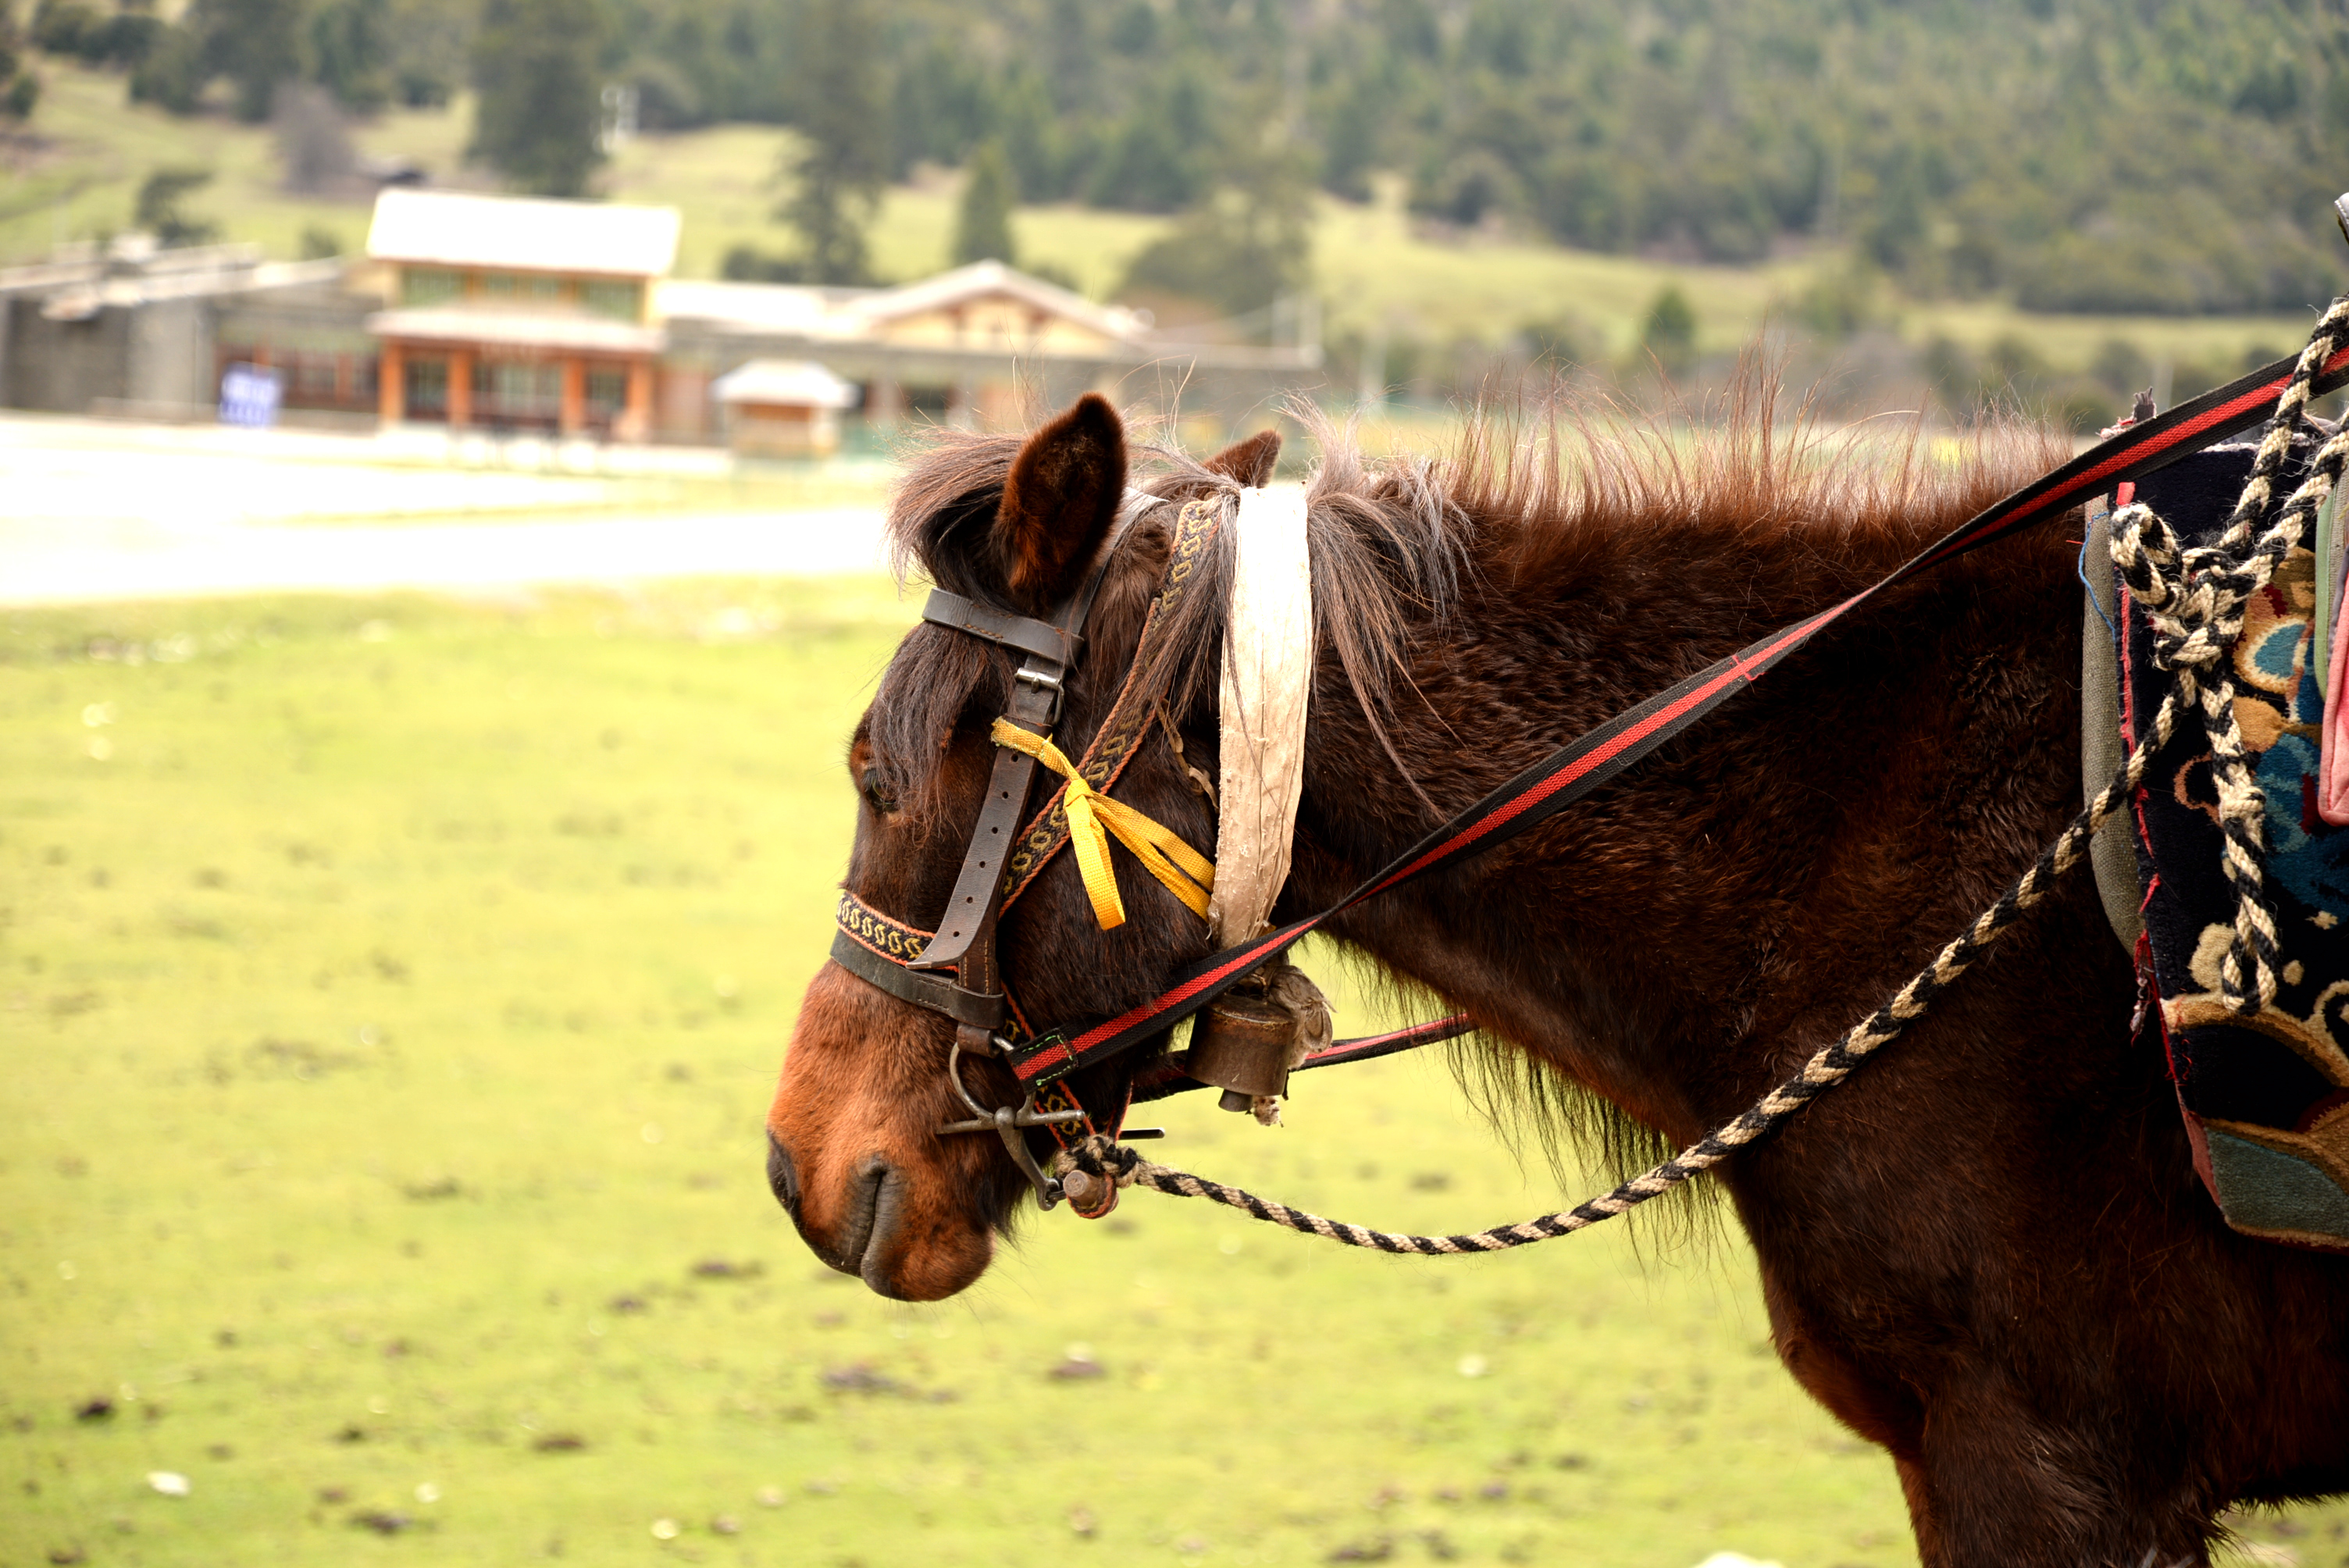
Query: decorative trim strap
[[1119, 736]]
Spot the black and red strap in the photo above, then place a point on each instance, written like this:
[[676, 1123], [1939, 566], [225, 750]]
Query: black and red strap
[[1168, 1078], [1583, 765]]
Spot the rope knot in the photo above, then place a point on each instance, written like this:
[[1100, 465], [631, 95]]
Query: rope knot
[[1098, 1154], [1091, 1170]]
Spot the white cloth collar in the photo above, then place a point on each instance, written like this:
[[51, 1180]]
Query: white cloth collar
[[1267, 680]]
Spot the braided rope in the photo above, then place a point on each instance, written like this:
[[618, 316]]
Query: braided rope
[[2196, 600], [1102, 1156]]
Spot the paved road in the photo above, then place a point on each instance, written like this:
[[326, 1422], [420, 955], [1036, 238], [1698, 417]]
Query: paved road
[[92, 512], [47, 561]]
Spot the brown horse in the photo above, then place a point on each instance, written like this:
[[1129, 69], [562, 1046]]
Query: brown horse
[[1988, 1253]]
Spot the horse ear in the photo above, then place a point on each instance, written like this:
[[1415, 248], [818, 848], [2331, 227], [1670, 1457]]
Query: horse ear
[[1063, 493], [1250, 461]]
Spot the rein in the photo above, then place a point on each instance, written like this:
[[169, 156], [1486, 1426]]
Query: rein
[[2196, 600], [1090, 1164]]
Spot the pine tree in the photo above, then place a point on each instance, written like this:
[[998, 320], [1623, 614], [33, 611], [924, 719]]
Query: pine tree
[[983, 226], [541, 105], [20, 89], [256, 44], [836, 176]]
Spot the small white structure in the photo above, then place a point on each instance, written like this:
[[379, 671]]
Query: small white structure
[[783, 407]]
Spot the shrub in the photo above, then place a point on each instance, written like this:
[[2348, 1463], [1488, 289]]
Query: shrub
[[1670, 332], [746, 263]]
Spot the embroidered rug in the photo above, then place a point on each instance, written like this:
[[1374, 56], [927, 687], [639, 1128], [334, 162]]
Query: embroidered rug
[[2266, 1096]]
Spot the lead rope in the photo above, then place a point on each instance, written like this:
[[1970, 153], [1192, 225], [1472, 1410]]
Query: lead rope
[[2195, 600]]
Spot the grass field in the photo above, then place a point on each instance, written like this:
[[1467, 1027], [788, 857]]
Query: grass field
[[391, 991], [1374, 270]]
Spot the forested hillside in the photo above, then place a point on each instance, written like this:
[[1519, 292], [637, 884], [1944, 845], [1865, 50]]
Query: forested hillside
[[2170, 156], [2098, 155]]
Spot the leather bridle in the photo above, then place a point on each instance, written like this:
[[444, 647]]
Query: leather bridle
[[954, 971]]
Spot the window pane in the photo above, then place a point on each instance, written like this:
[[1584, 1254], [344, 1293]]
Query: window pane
[[427, 385], [429, 285], [607, 296]]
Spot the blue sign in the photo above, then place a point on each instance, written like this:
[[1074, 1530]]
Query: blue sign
[[249, 395]]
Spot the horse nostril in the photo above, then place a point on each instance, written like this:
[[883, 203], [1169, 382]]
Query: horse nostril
[[782, 1177], [888, 1187]]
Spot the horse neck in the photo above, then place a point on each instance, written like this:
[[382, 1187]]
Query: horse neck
[[1676, 938]]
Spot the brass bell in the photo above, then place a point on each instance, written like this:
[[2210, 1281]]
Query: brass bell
[[1250, 1037]]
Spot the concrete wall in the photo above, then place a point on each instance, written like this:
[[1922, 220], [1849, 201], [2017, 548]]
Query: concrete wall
[[168, 358], [64, 367]]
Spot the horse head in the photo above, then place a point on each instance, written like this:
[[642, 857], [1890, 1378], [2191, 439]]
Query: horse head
[[856, 1156]]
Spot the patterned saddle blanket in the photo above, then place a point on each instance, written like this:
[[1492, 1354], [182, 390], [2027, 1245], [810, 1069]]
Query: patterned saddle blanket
[[2266, 1096]]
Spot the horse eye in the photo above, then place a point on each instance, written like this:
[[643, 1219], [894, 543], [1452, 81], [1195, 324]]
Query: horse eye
[[880, 799]]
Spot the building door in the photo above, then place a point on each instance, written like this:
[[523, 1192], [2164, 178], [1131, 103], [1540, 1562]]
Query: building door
[[428, 388], [607, 394]]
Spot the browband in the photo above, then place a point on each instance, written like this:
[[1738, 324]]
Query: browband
[[1042, 638], [1060, 639]]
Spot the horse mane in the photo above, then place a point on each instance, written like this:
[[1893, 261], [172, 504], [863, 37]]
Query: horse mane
[[1529, 488]]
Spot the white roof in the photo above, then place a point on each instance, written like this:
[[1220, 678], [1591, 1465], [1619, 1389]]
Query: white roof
[[800, 310], [793, 308], [803, 382], [980, 279], [453, 229]]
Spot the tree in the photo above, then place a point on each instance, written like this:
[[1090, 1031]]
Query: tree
[[836, 175], [1670, 333], [983, 225], [350, 42], [172, 74], [1247, 244], [541, 102], [20, 89], [157, 210], [256, 44]]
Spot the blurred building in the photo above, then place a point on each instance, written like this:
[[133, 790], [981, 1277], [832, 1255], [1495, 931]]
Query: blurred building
[[518, 314], [502, 313], [131, 329], [782, 407]]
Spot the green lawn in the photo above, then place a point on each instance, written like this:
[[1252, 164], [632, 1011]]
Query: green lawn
[[391, 991], [1375, 270]]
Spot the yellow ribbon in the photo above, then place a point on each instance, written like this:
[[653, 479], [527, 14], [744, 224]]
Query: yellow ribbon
[[1093, 816]]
